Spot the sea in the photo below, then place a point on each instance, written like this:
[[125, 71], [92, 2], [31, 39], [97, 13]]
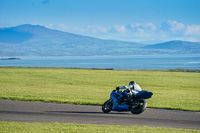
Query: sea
[[133, 62]]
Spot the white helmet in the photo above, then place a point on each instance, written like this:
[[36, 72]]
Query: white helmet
[[137, 87]]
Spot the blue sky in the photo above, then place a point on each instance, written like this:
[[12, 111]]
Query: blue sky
[[146, 21]]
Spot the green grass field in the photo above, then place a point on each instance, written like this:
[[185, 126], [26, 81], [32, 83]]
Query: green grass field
[[18, 127], [172, 90]]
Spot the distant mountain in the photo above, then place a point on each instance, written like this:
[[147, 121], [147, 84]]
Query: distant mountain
[[36, 40], [181, 47]]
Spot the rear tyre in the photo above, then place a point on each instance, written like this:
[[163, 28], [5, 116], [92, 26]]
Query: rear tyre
[[107, 106], [142, 104]]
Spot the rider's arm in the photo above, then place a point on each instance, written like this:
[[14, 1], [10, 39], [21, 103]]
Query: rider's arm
[[123, 87]]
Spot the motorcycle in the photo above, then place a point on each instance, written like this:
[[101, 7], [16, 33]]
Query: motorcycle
[[127, 100]]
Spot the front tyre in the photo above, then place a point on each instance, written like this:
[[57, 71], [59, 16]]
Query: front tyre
[[139, 108], [107, 106]]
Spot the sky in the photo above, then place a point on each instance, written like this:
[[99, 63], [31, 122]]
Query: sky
[[143, 21]]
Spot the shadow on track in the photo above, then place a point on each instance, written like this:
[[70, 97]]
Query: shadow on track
[[81, 112]]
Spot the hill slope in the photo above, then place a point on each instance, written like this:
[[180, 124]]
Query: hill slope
[[35, 40], [182, 47]]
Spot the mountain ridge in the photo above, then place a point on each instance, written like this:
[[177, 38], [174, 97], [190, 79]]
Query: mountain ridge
[[181, 46], [36, 40]]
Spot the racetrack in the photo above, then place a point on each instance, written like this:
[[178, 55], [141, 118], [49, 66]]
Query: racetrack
[[20, 111]]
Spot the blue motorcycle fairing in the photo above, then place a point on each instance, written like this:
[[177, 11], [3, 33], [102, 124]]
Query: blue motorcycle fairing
[[116, 106], [124, 107], [144, 94]]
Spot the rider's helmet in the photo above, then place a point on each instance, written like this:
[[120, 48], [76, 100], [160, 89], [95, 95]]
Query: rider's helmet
[[132, 83], [137, 87], [134, 86]]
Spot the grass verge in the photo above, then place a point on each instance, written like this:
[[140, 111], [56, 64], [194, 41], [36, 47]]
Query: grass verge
[[172, 90], [19, 127]]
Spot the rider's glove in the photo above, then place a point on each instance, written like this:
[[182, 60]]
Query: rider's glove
[[117, 88]]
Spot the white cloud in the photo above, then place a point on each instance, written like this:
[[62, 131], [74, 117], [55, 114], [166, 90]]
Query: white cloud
[[96, 29], [120, 28], [192, 39], [137, 32], [149, 26], [144, 32], [175, 26], [135, 25], [65, 28], [193, 30], [49, 26]]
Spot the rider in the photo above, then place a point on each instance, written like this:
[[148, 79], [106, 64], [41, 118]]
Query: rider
[[132, 85], [132, 89]]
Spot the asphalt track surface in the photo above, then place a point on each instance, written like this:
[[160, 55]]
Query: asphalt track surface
[[20, 111]]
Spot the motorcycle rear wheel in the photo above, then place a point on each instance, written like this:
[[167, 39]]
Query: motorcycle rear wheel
[[140, 108], [107, 106]]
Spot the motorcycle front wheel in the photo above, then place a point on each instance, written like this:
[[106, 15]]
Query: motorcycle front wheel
[[107, 106], [142, 104]]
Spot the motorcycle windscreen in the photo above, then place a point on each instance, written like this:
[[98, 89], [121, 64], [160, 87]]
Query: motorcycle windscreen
[[144, 94]]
